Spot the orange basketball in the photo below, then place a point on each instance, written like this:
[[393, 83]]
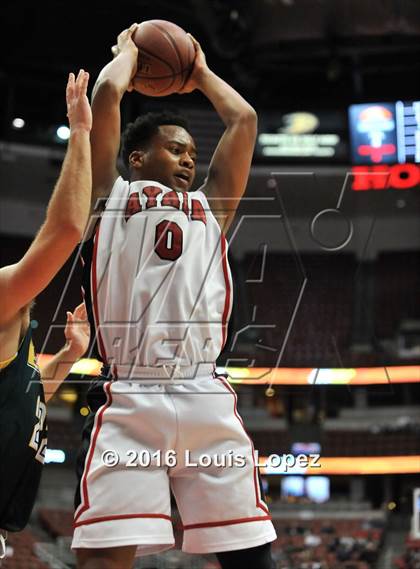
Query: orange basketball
[[166, 57]]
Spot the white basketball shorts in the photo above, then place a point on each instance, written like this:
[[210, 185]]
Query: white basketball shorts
[[186, 437]]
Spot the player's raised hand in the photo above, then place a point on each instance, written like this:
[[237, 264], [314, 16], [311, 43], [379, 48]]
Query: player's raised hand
[[200, 67], [125, 44], [77, 331], [78, 108]]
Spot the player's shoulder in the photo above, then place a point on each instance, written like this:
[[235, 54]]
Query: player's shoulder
[[201, 195], [119, 188], [200, 192]]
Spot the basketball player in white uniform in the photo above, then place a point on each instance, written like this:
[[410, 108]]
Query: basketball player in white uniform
[[159, 295]]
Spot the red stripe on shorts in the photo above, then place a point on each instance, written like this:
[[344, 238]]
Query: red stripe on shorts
[[258, 503], [84, 493], [119, 517], [227, 522]]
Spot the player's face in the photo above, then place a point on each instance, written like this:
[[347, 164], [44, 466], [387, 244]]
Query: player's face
[[170, 158]]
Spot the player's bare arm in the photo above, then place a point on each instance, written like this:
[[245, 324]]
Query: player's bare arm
[[113, 81], [65, 222], [229, 168], [77, 334]]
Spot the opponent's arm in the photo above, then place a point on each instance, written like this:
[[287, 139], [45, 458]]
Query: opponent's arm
[[229, 168], [77, 333], [113, 81], [67, 212]]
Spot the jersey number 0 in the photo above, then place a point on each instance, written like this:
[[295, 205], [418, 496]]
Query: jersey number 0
[[168, 240]]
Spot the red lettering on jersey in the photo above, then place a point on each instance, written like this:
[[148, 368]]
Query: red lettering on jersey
[[133, 205], [171, 199], [198, 213], [404, 176], [370, 177], [151, 192], [185, 203]]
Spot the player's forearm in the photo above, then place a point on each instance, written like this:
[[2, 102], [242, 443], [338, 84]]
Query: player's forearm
[[57, 369], [229, 104], [70, 203], [116, 76]]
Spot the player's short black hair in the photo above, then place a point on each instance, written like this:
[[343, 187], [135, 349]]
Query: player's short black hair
[[138, 134]]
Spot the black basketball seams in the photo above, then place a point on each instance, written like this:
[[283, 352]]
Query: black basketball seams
[[172, 76], [180, 76], [140, 76], [142, 50], [171, 41]]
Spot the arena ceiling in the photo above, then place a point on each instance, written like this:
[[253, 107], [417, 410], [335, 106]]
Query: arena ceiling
[[277, 52], [281, 54]]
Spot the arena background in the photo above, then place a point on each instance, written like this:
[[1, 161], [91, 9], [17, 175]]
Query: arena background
[[324, 342]]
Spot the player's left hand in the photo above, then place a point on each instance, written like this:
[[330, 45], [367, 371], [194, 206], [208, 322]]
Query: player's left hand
[[77, 331], [200, 67]]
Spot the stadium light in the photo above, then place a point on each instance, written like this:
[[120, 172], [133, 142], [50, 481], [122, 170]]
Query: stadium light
[[53, 455], [18, 123], [63, 132]]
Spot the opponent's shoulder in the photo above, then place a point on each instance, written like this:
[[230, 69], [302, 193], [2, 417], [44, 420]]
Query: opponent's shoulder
[[12, 335], [9, 313]]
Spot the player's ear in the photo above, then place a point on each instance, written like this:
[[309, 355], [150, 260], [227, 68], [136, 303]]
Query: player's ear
[[136, 158]]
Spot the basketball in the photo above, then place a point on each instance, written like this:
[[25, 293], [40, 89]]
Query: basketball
[[166, 56]]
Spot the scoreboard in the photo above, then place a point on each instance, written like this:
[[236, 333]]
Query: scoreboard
[[385, 133], [367, 135]]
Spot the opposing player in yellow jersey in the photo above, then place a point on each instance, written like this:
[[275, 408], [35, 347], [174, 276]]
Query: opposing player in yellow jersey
[[22, 402]]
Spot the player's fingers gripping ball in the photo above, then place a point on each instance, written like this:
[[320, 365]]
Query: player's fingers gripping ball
[[199, 66], [165, 59]]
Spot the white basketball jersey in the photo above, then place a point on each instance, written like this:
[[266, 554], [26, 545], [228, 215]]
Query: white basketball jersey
[[160, 279]]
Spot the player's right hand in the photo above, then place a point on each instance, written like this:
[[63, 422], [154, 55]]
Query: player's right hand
[[79, 112], [126, 44]]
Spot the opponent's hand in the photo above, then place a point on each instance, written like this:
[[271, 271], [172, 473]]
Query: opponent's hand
[[200, 67], [77, 331], [125, 44], [79, 112]]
